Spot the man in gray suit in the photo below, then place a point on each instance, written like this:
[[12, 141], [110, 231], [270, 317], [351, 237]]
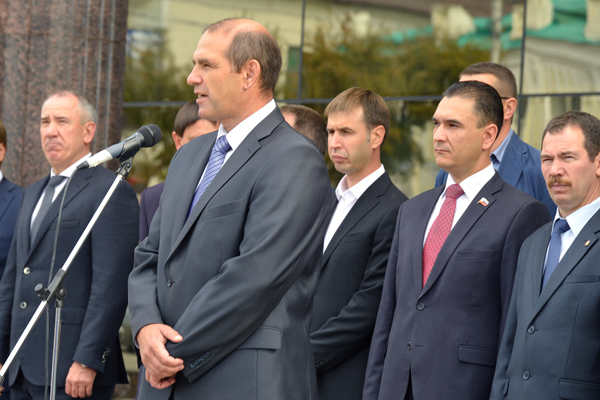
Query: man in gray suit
[[221, 295], [551, 345], [357, 243], [451, 266]]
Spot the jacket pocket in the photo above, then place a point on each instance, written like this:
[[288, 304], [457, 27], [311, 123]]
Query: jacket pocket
[[576, 390], [353, 237], [265, 337], [224, 209], [73, 315], [582, 278], [475, 255], [477, 355]]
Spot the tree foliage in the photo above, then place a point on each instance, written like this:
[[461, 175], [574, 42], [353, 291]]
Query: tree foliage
[[418, 67]]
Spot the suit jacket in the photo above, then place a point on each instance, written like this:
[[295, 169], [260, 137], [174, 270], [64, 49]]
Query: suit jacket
[[236, 278], [349, 290], [96, 282], [444, 337], [148, 205], [521, 167], [10, 201], [551, 344]]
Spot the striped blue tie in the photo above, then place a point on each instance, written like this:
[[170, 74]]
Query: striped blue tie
[[215, 162]]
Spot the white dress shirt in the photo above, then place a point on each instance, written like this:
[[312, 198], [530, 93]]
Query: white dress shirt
[[576, 220], [471, 186], [66, 173], [346, 200], [241, 130]]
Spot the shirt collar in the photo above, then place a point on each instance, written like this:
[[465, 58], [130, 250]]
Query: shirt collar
[[69, 171], [499, 152], [361, 187], [473, 184], [236, 136], [577, 219]]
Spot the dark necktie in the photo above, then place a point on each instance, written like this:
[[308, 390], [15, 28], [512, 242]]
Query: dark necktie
[[560, 226], [215, 162], [46, 203], [440, 229]]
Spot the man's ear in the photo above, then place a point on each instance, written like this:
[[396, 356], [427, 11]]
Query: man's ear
[[490, 134], [376, 136], [177, 140], [251, 73], [510, 107], [89, 130]]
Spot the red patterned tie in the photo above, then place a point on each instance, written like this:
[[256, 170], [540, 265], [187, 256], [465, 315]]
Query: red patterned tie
[[440, 229]]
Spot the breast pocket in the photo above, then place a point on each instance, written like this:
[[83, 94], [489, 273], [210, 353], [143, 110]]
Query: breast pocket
[[475, 255], [583, 278], [224, 209]]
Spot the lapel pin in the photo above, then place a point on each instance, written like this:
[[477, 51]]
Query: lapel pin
[[483, 201], [587, 243]]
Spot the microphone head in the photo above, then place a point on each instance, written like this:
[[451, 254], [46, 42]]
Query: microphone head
[[151, 135]]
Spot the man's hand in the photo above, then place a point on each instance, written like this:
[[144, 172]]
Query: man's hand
[[160, 366], [80, 381]]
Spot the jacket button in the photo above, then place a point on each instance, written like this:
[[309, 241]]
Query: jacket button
[[169, 282], [420, 306], [409, 345], [531, 329], [526, 375], [26, 270], [23, 305]]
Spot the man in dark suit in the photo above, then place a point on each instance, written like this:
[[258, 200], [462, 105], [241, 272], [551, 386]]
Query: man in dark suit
[[188, 125], [517, 163], [357, 244], [221, 295], [90, 362], [10, 201], [551, 345], [307, 122], [451, 267]]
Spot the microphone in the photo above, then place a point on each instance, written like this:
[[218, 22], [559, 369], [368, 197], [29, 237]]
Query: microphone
[[146, 136]]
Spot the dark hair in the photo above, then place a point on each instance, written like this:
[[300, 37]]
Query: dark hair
[[589, 125], [488, 105], [310, 124], [87, 109], [506, 79], [186, 117], [375, 110], [3, 137], [249, 45]]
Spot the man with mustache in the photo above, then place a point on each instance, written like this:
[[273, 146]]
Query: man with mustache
[[451, 267], [551, 344]]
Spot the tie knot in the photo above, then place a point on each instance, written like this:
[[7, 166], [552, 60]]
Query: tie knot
[[222, 145], [55, 181], [454, 191], [561, 226]]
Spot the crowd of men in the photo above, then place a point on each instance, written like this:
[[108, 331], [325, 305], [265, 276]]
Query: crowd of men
[[254, 279]]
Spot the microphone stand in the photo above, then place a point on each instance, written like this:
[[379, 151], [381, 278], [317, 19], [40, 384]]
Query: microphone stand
[[56, 289]]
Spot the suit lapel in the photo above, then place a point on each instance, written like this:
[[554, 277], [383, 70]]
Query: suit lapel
[[424, 207], [238, 159], [513, 161], [582, 244], [27, 207], [79, 181], [189, 187], [5, 195], [539, 258], [473, 212], [366, 202]]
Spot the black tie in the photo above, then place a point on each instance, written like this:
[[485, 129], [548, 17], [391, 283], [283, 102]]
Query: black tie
[[46, 203]]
